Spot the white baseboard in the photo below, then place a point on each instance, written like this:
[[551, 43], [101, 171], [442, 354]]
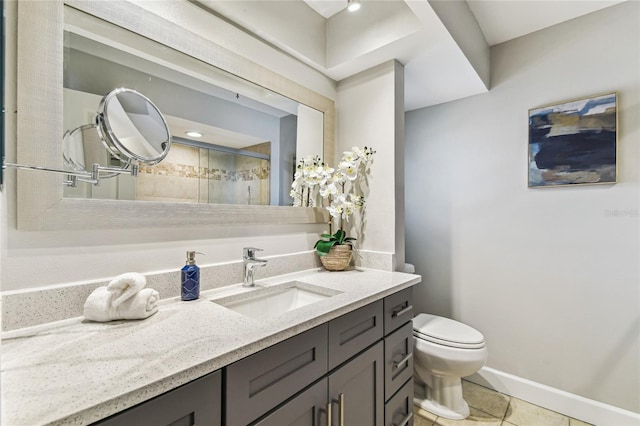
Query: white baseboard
[[566, 403]]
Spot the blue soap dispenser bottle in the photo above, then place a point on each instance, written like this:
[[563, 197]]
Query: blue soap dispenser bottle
[[190, 277]]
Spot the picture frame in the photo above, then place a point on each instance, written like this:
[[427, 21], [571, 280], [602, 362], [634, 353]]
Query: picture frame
[[574, 142]]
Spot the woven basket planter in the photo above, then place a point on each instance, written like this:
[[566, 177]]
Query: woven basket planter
[[338, 258]]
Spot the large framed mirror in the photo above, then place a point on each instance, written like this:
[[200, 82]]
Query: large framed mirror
[[68, 32]]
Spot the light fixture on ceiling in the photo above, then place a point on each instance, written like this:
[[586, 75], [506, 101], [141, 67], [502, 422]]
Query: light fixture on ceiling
[[353, 5], [194, 134]]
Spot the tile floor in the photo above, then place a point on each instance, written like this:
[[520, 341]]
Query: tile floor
[[491, 408]]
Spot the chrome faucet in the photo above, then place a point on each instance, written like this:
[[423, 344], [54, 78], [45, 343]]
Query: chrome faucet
[[249, 262]]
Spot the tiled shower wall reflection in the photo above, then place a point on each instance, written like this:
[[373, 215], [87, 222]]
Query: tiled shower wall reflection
[[189, 174]]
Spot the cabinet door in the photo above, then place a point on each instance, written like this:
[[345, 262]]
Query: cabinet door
[[196, 403], [307, 409], [356, 390]]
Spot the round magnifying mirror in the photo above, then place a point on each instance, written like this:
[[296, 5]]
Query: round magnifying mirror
[[83, 147], [132, 128]]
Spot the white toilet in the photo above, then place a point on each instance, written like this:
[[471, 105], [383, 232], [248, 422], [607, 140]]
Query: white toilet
[[444, 351]]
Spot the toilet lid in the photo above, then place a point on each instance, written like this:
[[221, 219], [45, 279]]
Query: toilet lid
[[446, 332]]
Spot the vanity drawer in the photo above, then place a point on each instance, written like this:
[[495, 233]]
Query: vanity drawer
[[256, 384], [399, 410], [354, 332], [398, 309], [195, 403], [398, 359], [307, 408]]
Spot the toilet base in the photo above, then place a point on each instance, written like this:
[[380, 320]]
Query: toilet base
[[444, 401]]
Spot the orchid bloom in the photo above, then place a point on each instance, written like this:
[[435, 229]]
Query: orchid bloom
[[312, 173]]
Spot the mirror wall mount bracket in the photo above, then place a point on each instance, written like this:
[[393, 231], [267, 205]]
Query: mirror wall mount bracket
[[72, 177], [118, 142]]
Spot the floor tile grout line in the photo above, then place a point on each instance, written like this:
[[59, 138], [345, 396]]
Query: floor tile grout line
[[489, 414], [503, 418]]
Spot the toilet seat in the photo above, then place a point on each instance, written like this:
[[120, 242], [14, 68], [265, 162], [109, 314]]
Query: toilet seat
[[447, 332]]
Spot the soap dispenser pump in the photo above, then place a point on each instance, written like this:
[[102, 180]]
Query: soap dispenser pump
[[191, 277]]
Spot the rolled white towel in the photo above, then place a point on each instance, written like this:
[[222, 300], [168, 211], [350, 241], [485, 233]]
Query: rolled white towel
[[126, 286], [99, 306]]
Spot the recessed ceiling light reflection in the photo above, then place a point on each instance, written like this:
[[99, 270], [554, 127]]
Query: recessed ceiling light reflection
[[194, 134], [353, 5]]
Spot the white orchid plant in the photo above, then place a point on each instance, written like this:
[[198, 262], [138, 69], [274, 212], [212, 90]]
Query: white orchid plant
[[339, 188]]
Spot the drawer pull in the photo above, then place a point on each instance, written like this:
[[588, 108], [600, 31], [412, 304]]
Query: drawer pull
[[396, 314], [329, 415], [403, 361], [405, 421], [340, 402]]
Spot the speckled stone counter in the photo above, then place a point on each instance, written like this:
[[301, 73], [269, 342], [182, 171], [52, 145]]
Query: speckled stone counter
[[75, 372]]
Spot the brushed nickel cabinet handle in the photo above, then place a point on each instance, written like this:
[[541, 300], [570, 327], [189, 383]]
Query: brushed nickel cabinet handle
[[398, 364], [341, 409], [329, 414], [405, 421], [396, 314], [340, 402]]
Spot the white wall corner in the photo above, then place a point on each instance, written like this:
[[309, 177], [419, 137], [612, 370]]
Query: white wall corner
[[370, 113], [399, 257]]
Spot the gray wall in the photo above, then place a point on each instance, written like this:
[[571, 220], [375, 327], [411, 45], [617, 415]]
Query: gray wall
[[550, 276], [369, 105]]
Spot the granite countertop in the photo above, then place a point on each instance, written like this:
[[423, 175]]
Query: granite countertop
[[75, 372]]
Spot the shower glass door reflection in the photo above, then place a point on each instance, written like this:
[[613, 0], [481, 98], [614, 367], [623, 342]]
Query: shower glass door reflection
[[236, 177]]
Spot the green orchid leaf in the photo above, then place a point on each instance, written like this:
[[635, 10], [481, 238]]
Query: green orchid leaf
[[323, 247]]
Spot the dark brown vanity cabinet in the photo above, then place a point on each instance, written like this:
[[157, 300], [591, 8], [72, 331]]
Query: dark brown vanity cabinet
[[258, 383], [309, 408], [398, 358], [398, 411], [351, 395], [352, 376], [356, 390], [196, 403], [367, 378], [354, 370]]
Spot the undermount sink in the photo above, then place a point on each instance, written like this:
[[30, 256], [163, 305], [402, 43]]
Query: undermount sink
[[276, 299]]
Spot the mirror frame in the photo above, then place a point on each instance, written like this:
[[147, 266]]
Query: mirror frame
[[40, 201]]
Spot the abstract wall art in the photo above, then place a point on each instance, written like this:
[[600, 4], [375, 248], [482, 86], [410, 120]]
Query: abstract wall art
[[574, 142]]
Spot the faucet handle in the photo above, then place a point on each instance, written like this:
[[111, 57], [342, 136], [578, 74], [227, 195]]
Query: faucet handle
[[250, 252]]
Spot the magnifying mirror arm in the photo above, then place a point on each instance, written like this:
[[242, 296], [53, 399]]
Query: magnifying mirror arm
[[73, 176]]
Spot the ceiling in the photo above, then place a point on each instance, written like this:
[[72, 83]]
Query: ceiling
[[327, 8], [443, 44], [503, 20]]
